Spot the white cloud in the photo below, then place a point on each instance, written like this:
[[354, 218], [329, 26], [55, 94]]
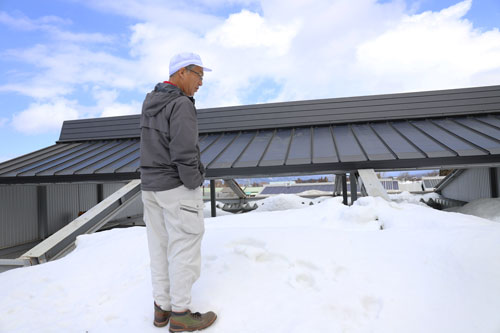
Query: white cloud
[[60, 69], [250, 30], [49, 24], [108, 106], [308, 49], [431, 50], [48, 116], [45, 117]]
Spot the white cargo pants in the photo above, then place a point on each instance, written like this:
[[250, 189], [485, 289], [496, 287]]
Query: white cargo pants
[[175, 227]]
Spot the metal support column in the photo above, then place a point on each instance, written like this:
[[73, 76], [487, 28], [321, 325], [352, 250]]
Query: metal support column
[[354, 187], [100, 192], [212, 197], [493, 183], [42, 213], [337, 185], [344, 189]]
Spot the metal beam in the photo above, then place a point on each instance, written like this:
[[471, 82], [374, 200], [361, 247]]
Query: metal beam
[[372, 184], [236, 188], [354, 187], [63, 240], [7, 264], [344, 189]]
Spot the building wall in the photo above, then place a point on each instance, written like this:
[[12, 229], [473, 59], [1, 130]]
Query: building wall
[[472, 184], [87, 196], [18, 215], [19, 211]]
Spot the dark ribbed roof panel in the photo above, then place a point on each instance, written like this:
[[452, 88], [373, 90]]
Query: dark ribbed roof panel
[[326, 136], [430, 104]]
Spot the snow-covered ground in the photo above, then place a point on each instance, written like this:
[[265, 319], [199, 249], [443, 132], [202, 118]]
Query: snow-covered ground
[[485, 208], [288, 266]]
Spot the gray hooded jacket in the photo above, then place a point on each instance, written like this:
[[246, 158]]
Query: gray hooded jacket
[[170, 154]]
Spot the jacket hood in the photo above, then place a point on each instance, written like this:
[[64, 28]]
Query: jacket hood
[[156, 100]]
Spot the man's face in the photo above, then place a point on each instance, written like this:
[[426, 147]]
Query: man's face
[[193, 79]]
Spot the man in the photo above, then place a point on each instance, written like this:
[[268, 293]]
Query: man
[[171, 179]]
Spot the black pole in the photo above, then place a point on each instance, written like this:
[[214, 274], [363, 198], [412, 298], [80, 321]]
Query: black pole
[[493, 182], [344, 188], [354, 187], [100, 192], [212, 197]]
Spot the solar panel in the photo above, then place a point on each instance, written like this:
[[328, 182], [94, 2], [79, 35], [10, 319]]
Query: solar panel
[[295, 189]]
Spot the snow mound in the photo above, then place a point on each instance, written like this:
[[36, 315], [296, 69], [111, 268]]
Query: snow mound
[[282, 202], [408, 197], [315, 192], [488, 208]]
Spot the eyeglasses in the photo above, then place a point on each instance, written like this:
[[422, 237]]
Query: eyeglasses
[[199, 75]]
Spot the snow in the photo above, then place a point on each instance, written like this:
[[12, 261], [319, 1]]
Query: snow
[[406, 196], [375, 266], [282, 202], [488, 208]]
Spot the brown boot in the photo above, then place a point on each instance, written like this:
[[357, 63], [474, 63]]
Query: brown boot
[[161, 316], [188, 322]]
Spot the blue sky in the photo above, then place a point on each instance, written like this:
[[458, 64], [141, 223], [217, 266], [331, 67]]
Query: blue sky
[[62, 60]]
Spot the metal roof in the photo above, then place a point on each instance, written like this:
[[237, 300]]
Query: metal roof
[[108, 148], [430, 104]]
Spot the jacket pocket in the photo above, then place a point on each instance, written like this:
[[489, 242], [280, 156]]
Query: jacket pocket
[[191, 215]]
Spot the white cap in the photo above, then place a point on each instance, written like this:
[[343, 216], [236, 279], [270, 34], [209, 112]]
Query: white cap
[[184, 59]]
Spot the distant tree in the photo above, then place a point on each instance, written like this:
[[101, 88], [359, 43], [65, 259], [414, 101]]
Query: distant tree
[[432, 173], [445, 172], [404, 176]]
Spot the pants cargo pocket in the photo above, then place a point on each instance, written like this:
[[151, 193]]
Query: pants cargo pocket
[[191, 214]]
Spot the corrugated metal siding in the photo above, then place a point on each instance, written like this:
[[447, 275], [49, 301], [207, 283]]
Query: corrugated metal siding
[[62, 205], [470, 185], [18, 215], [110, 188], [87, 196]]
